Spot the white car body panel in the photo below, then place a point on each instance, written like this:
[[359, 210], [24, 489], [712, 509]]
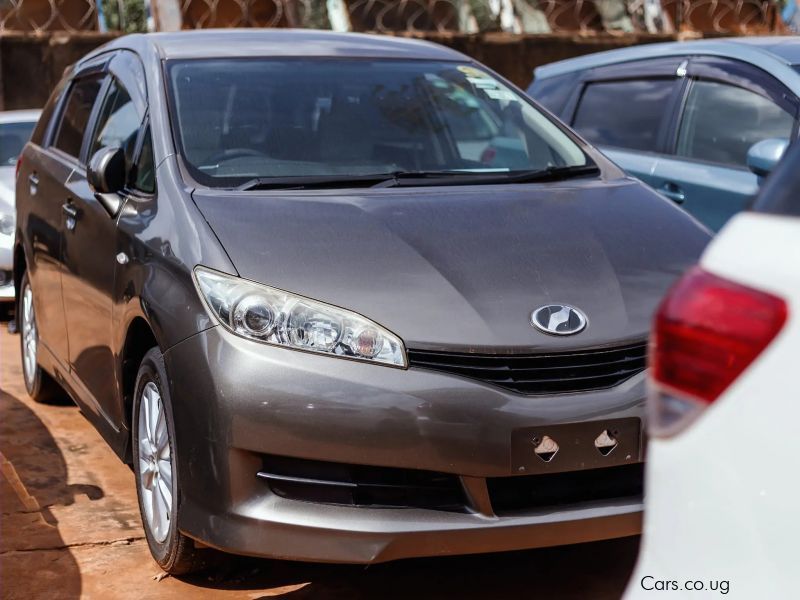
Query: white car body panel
[[722, 496], [7, 206], [15, 116], [7, 199]]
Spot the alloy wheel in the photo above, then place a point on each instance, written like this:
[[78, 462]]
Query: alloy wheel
[[155, 462], [30, 338]]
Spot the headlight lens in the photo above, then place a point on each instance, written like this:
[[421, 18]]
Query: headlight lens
[[7, 223], [259, 312]]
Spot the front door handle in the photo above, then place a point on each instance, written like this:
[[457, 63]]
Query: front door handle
[[673, 191], [33, 183], [72, 214]]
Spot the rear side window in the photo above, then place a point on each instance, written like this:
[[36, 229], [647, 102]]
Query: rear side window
[[721, 122], [623, 114], [75, 117]]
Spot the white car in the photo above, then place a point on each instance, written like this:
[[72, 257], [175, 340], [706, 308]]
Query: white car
[[15, 130], [723, 477]]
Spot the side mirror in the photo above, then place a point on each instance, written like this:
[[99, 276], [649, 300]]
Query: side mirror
[[763, 156], [106, 177]]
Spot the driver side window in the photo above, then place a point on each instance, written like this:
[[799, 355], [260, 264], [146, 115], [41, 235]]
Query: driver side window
[[118, 123]]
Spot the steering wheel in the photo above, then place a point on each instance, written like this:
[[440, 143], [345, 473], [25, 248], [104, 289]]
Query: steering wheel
[[231, 153]]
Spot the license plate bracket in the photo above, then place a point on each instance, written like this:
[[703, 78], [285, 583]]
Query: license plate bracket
[[576, 446]]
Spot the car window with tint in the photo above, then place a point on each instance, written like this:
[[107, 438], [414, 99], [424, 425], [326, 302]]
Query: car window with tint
[[13, 137], [118, 123], [236, 119], [553, 92], [623, 114], [721, 122], [75, 116]]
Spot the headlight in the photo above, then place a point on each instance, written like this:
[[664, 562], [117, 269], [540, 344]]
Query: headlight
[[265, 314], [7, 223]]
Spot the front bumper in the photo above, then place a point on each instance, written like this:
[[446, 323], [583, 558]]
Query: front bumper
[[292, 530], [235, 401]]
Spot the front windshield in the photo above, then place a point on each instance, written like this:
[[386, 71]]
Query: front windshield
[[239, 119], [13, 137]]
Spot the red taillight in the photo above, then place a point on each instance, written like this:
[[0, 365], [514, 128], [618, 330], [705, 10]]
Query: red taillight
[[708, 330]]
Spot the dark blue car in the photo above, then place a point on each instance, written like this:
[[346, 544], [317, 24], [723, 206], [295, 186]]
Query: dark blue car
[[702, 122]]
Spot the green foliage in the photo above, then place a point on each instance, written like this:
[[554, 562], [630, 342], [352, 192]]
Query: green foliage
[[128, 16]]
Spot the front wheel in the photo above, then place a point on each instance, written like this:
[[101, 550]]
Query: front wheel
[[39, 385], [155, 467]]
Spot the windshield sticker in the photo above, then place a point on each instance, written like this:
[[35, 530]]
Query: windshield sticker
[[483, 83], [501, 95], [472, 72]]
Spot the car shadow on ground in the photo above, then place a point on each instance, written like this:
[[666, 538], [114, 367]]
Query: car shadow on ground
[[597, 570], [34, 478]]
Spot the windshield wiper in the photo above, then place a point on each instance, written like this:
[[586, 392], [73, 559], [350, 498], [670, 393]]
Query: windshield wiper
[[301, 182], [555, 173], [414, 178], [417, 178], [313, 181]]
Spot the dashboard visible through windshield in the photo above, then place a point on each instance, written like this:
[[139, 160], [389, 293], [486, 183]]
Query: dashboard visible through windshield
[[236, 120]]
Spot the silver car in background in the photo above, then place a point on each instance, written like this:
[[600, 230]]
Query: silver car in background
[[15, 130]]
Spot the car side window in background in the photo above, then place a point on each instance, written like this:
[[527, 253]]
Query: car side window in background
[[721, 122], [623, 114], [145, 178], [74, 119], [118, 123], [553, 92], [13, 137]]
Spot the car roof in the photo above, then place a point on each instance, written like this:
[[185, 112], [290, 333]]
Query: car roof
[[767, 52], [19, 116], [221, 43]]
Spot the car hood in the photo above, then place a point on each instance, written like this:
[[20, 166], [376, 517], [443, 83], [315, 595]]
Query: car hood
[[463, 267]]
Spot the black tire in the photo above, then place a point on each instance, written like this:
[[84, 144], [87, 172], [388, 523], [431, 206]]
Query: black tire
[[176, 554], [38, 383]]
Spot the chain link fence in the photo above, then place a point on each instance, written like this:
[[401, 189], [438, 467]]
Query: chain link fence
[[546, 16], [467, 16]]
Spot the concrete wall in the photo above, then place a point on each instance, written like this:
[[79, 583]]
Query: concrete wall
[[31, 64]]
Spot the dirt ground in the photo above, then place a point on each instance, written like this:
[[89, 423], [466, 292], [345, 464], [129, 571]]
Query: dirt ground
[[70, 529]]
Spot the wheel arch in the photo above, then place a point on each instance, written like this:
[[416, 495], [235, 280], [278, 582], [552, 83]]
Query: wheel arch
[[139, 338], [19, 266]]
